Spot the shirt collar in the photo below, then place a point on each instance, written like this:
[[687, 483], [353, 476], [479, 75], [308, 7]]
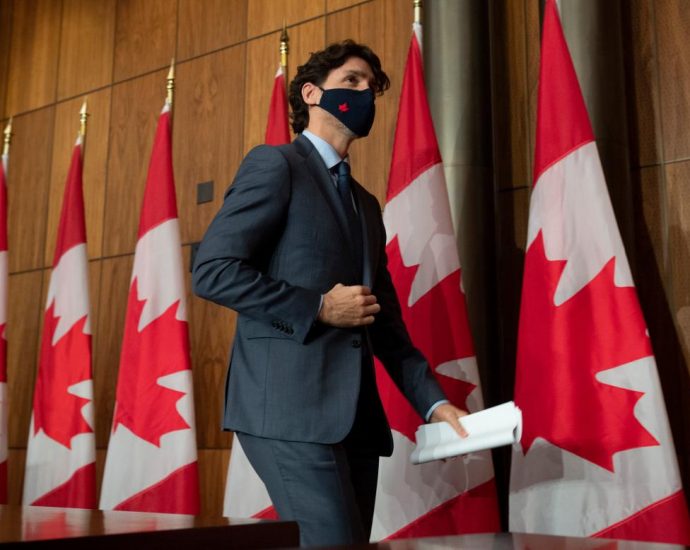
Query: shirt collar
[[326, 151]]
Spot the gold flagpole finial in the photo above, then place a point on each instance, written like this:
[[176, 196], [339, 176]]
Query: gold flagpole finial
[[284, 49], [83, 115], [8, 138], [417, 4], [171, 82]]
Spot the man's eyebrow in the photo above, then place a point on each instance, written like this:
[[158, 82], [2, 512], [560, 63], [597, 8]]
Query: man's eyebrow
[[357, 72]]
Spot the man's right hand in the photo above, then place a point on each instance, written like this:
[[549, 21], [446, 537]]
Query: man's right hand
[[348, 306]]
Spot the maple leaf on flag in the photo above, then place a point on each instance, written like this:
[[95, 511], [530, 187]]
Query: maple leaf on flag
[[437, 327], [56, 411], [144, 406], [565, 346]]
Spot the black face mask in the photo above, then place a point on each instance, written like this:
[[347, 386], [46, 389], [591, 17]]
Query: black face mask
[[354, 108]]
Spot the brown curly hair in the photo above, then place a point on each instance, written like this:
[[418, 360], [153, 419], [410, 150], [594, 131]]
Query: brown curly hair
[[317, 68]]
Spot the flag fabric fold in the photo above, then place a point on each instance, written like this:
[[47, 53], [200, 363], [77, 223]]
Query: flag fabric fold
[[597, 457], [151, 465], [4, 271], [61, 453], [439, 498], [277, 127]]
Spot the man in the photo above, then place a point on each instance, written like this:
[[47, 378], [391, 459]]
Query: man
[[298, 250]]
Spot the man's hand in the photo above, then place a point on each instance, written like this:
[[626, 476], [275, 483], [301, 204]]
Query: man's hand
[[348, 306], [450, 413]]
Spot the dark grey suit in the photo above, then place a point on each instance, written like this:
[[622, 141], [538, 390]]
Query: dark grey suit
[[275, 247]]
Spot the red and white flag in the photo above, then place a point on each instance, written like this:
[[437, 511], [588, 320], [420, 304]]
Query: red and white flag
[[245, 493], [277, 128], [61, 451], [4, 162], [597, 456], [151, 464], [437, 498]]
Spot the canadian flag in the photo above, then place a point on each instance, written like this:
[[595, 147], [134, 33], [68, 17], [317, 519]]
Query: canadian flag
[[245, 493], [151, 464], [4, 161], [61, 451], [442, 497], [596, 457], [277, 129]]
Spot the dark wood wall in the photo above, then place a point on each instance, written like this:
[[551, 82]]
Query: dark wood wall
[[53, 53]]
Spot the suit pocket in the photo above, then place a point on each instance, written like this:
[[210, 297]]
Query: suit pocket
[[254, 330]]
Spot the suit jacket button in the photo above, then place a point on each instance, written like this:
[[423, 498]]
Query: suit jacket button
[[356, 344]]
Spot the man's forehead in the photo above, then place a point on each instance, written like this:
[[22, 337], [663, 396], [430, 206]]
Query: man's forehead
[[357, 65]]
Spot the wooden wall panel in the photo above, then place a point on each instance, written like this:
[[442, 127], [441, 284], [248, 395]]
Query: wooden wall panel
[[335, 5], [5, 35], [264, 16], [678, 190], [263, 57], [86, 46], [109, 326], [207, 136], [95, 156], [363, 24], [33, 54], [650, 235], [136, 105], [145, 36], [28, 186], [209, 25], [16, 461], [23, 336], [211, 331], [645, 131], [213, 470], [509, 77], [672, 30]]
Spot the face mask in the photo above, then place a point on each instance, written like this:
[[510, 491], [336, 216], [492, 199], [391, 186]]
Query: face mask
[[354, 108]]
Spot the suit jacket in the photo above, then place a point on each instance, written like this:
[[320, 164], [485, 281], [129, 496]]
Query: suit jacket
[[277, 244]]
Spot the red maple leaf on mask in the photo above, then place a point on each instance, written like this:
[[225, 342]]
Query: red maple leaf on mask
[[56, 411], [161, 348], [343, 108], [563, 348], [438, 327]]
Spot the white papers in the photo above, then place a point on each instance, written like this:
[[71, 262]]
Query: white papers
[[494, 427]]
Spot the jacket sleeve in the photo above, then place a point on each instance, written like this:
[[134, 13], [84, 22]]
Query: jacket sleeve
[[230, 264], [392, 344]]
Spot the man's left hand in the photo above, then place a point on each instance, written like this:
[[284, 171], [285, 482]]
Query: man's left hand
[[446, 412]]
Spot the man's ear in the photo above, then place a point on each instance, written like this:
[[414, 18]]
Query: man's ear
[[311, 93]]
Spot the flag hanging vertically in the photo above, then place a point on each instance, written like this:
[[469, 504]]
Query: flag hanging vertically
[[597, 456], [61, 451], [277, 128], [4, 270], [441, 497], [151, 464]]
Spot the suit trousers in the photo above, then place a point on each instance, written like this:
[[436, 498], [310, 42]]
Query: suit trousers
[[330, 490]]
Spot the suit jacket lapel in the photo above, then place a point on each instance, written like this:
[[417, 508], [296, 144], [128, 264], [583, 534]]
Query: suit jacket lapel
[[319, 172], [367, 253]]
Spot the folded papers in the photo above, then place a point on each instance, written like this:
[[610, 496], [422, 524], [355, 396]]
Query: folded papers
[[493, 427]]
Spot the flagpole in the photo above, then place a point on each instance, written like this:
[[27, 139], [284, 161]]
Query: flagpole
[[417, 5], [8, 138], [284, 50], [83, 116], [171, 83]]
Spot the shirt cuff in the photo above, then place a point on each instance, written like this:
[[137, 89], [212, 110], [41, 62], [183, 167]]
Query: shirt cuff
[[433, 408]]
